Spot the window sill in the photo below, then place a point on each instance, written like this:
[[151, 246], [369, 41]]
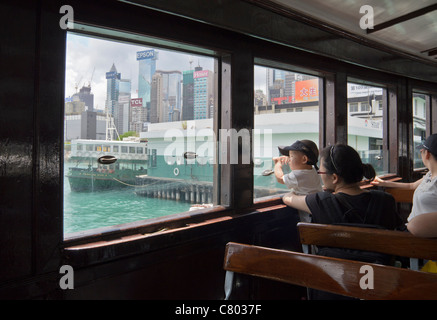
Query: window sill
[[82, 248]]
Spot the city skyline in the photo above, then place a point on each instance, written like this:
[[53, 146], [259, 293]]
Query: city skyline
[[89, 59]]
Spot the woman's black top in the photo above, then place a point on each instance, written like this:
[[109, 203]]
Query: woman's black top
[[374, 207]]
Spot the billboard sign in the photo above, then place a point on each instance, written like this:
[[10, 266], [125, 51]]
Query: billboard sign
[[147, 54], [137, 102], [357, 90], [200, 74], [306, 91], [113, 75]]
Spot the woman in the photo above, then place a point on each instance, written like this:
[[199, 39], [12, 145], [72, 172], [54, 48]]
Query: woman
[[422, 221], [344, 201]]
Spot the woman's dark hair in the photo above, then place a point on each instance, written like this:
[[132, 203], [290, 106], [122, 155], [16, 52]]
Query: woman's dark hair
[[346, 162]]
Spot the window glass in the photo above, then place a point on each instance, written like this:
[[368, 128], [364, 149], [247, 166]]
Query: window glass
[[365, 124], [419, 125], [286, 109], [161, 102]]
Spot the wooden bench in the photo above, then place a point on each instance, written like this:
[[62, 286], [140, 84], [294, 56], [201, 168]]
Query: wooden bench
[[338, 276], [401, 195], [391, 242]]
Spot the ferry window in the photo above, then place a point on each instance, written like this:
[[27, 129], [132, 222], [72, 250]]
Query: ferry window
[[79, 147], [365, 127], [164, 100], [420, 102], [286, 108]]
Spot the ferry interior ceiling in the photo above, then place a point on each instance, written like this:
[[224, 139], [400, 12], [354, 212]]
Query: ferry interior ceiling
[[203, 92]]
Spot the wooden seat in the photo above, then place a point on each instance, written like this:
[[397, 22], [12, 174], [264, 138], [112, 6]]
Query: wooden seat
[[338, 276], [401, 195], [391, 242]]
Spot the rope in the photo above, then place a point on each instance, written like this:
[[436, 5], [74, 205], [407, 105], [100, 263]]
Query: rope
[[148, 185]]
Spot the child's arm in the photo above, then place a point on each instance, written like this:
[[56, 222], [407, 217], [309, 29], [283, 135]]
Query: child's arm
[[279, 174]]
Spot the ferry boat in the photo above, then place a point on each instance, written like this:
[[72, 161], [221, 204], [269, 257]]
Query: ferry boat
[[86, 173], [180, 257]]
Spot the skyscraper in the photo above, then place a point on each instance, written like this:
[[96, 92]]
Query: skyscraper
[[87, 97], [203, 93], [112, 94], [165, 95], [124, 112], [156, 101], [112, 90], [188, 95], [147, 67]]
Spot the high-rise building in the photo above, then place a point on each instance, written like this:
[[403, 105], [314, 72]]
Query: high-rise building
[[112, 90], [138, 115], [203, 93], [86, 97], [123, 110], [188, 95], [155, 99], [166, 96], [85, 125], [172, 94], [147, 67]]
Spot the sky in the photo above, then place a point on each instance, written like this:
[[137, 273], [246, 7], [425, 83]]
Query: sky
[[88, 59]]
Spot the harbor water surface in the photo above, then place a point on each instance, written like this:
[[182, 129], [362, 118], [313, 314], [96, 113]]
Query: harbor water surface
[[90, 210]]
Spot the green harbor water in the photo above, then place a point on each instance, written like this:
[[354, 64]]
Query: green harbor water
[[90, 210]]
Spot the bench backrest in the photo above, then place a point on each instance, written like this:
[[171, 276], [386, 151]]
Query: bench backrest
[[391, 242], [338, 276], [401, 195]]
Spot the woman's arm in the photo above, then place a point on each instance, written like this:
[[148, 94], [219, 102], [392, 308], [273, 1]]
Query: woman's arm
[[399, 185], [424, 225], [295, 201]]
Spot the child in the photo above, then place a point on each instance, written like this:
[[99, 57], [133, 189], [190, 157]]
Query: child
[[302, 157]]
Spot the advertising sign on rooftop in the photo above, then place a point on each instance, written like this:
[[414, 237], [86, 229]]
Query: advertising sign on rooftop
[[355, 90], [200, 74], [113, 75], [146, 54], [137, 102], [306, 91]]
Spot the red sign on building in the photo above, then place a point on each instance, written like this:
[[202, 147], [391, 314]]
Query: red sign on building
[[137, 102], [200, 74]]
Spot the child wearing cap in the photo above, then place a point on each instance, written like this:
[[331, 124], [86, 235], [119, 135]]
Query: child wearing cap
[[425, 194], [302, 157]]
